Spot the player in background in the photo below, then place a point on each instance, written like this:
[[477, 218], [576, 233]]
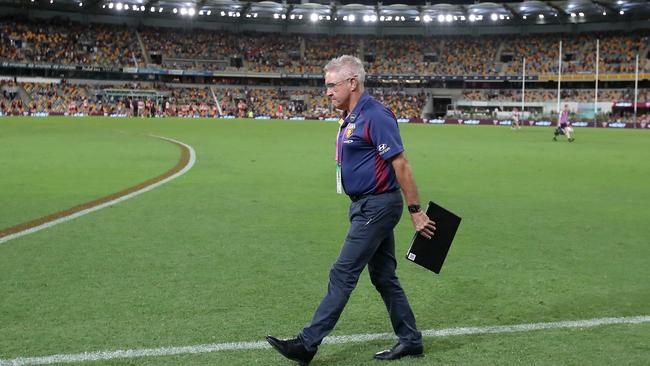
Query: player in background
[[140, 111], [72, 109], [280, 114], [515, 119], [564, 126]]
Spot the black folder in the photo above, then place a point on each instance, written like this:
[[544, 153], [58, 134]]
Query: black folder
[[431, 253]]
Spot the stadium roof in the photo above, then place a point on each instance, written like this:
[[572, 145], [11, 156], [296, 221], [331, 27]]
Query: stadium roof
[[363, 11]]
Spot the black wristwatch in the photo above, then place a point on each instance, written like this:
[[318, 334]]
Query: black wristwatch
[[414, 208]]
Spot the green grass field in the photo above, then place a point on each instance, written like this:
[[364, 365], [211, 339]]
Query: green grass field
[[241, 245]]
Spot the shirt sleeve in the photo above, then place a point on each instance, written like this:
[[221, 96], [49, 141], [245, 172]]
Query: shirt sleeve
[[384, 133]]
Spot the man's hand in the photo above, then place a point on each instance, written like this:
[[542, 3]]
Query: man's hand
[[423, 224]]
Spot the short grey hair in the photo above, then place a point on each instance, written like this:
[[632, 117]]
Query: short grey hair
[[347, 65]]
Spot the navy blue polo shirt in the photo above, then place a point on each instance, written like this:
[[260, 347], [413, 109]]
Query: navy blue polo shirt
[[367, 139]]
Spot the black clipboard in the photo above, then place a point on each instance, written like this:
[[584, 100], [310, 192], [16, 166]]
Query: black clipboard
[[431, 253]]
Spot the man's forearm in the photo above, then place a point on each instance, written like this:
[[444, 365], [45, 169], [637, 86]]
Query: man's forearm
[[405, 179]]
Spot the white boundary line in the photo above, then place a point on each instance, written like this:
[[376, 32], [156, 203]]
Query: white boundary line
[[109, 203], [216, 347]]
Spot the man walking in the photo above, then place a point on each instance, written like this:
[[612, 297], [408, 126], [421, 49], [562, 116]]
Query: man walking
[[371, 169]]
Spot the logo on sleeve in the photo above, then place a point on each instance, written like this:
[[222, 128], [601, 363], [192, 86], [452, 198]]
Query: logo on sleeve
[[383, 148]]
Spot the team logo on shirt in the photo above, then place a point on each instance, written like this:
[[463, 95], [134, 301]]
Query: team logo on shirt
[[383, 148], [350, 130]]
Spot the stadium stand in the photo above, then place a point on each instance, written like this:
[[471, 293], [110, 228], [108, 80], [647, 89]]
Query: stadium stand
[[256, 55], [68, 42]]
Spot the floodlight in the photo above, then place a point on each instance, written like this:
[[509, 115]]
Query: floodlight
[[313, 17], [119, 6], [191, 12], [381, 18], [449, 18], [621, 12], [81, 4], [142, 7], [292, 16], [427, 18], [352, 18], [472, 17], [541, 16], [110, 5], [573, 15], [373, 18], [581, 14], [209, 12], [494, 16], [417, 18], [175, 11], [152, 9], [441, 18]]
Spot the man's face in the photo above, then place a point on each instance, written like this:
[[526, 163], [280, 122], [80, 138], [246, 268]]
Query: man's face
[[338, 89]]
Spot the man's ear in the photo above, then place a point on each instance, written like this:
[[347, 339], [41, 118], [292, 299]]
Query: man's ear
[[355, 86]]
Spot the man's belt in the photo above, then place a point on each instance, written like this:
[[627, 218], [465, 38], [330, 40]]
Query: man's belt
[[356, 197]]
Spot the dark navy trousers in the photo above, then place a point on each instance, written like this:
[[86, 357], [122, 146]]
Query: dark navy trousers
[[370, 242]]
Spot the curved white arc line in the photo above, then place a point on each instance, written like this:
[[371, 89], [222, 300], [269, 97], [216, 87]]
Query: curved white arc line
[[353, 338], [148, 188]]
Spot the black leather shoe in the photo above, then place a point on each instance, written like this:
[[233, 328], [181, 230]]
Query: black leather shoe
[[292, 349], [398, 351]]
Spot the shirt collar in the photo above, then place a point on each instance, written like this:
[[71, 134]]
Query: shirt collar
[[365, 97]]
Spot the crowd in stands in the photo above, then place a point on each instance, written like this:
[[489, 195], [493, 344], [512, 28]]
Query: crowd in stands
[[136, 99], [10, 101], [166, 100], [537, 95], [67, 42], [617, 53], [214, 49]]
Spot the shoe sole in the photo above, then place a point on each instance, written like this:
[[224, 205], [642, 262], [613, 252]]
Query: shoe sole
[[300, 362], [419, 355]]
